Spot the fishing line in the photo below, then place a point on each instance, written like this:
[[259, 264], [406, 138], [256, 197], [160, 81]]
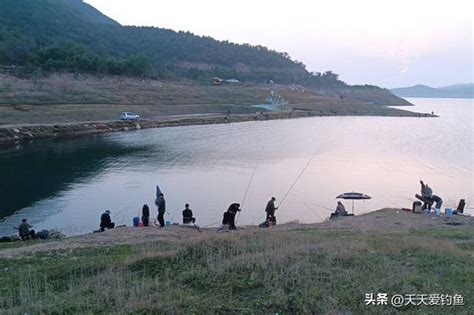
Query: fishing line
[[124, 214], [401, 197], [299, 176], [469, 202], [211, 224], [251, 178], [313, 211], [390, 201], [250, 183], [118, 214], [313, 204]]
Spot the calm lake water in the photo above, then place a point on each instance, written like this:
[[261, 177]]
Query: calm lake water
[[67, 184]]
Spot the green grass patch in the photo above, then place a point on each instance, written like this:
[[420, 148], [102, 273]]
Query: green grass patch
[[326, 233], [452, 233], [303, 271]]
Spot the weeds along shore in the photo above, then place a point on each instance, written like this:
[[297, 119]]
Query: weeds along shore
[[288, 269]]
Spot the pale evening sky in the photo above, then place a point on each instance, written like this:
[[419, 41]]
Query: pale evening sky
[[390, 43]]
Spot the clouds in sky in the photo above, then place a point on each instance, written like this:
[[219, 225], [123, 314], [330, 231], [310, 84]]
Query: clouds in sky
[[385, 42]]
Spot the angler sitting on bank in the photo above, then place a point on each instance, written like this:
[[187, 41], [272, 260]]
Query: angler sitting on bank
[[188, 215], [105, 221], [229, 216], [25, 232], [340, 211]]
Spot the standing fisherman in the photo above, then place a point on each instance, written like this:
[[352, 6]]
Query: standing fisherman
[[161, 204], [270, 210]]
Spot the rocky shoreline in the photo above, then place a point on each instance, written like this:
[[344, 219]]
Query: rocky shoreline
[[13, 134]]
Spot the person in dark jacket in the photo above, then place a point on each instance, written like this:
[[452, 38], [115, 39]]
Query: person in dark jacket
[[188, 215], [270, 210], [428, 198], [25, 232], [161, 204], [105, 221], [146, 215], [229, 216]]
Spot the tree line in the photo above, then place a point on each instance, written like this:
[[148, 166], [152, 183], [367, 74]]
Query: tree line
[[70, 35]]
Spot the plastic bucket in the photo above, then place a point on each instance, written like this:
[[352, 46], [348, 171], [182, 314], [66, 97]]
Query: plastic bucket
[[449, 212], [168, 223], [426, 213], [136, 221], [438, 211]]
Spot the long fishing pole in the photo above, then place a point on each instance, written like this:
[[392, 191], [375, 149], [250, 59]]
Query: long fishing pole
[[251, 177], [393, 203], [124, 215], [210, 225], [299, 176], [313, 211], [319, 206], [401, 197], [250, 183]]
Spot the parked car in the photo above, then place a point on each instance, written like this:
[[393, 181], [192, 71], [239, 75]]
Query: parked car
[[232, 81], [217, 81], [129, 116]]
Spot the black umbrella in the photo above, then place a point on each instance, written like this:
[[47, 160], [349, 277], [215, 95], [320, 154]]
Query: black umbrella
[[353, 196]]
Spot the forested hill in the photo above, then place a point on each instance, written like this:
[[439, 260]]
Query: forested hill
[[40, 36]]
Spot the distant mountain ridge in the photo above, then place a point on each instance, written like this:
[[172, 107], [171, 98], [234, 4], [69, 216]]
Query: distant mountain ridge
[[40, 37], [70, 35], [465, 90]]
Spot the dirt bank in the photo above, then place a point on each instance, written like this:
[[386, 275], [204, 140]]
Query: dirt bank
[[384, 220]]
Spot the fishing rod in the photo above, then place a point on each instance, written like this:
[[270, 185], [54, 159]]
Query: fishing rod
[[250, 183], [209, 225], [118, 214], [125, 212], [251, 178], [393, 203], [316, 205], [299, 176], [313, 211], [401, 197]]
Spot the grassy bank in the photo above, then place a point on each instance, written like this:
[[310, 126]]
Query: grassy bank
[[307, 270]]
